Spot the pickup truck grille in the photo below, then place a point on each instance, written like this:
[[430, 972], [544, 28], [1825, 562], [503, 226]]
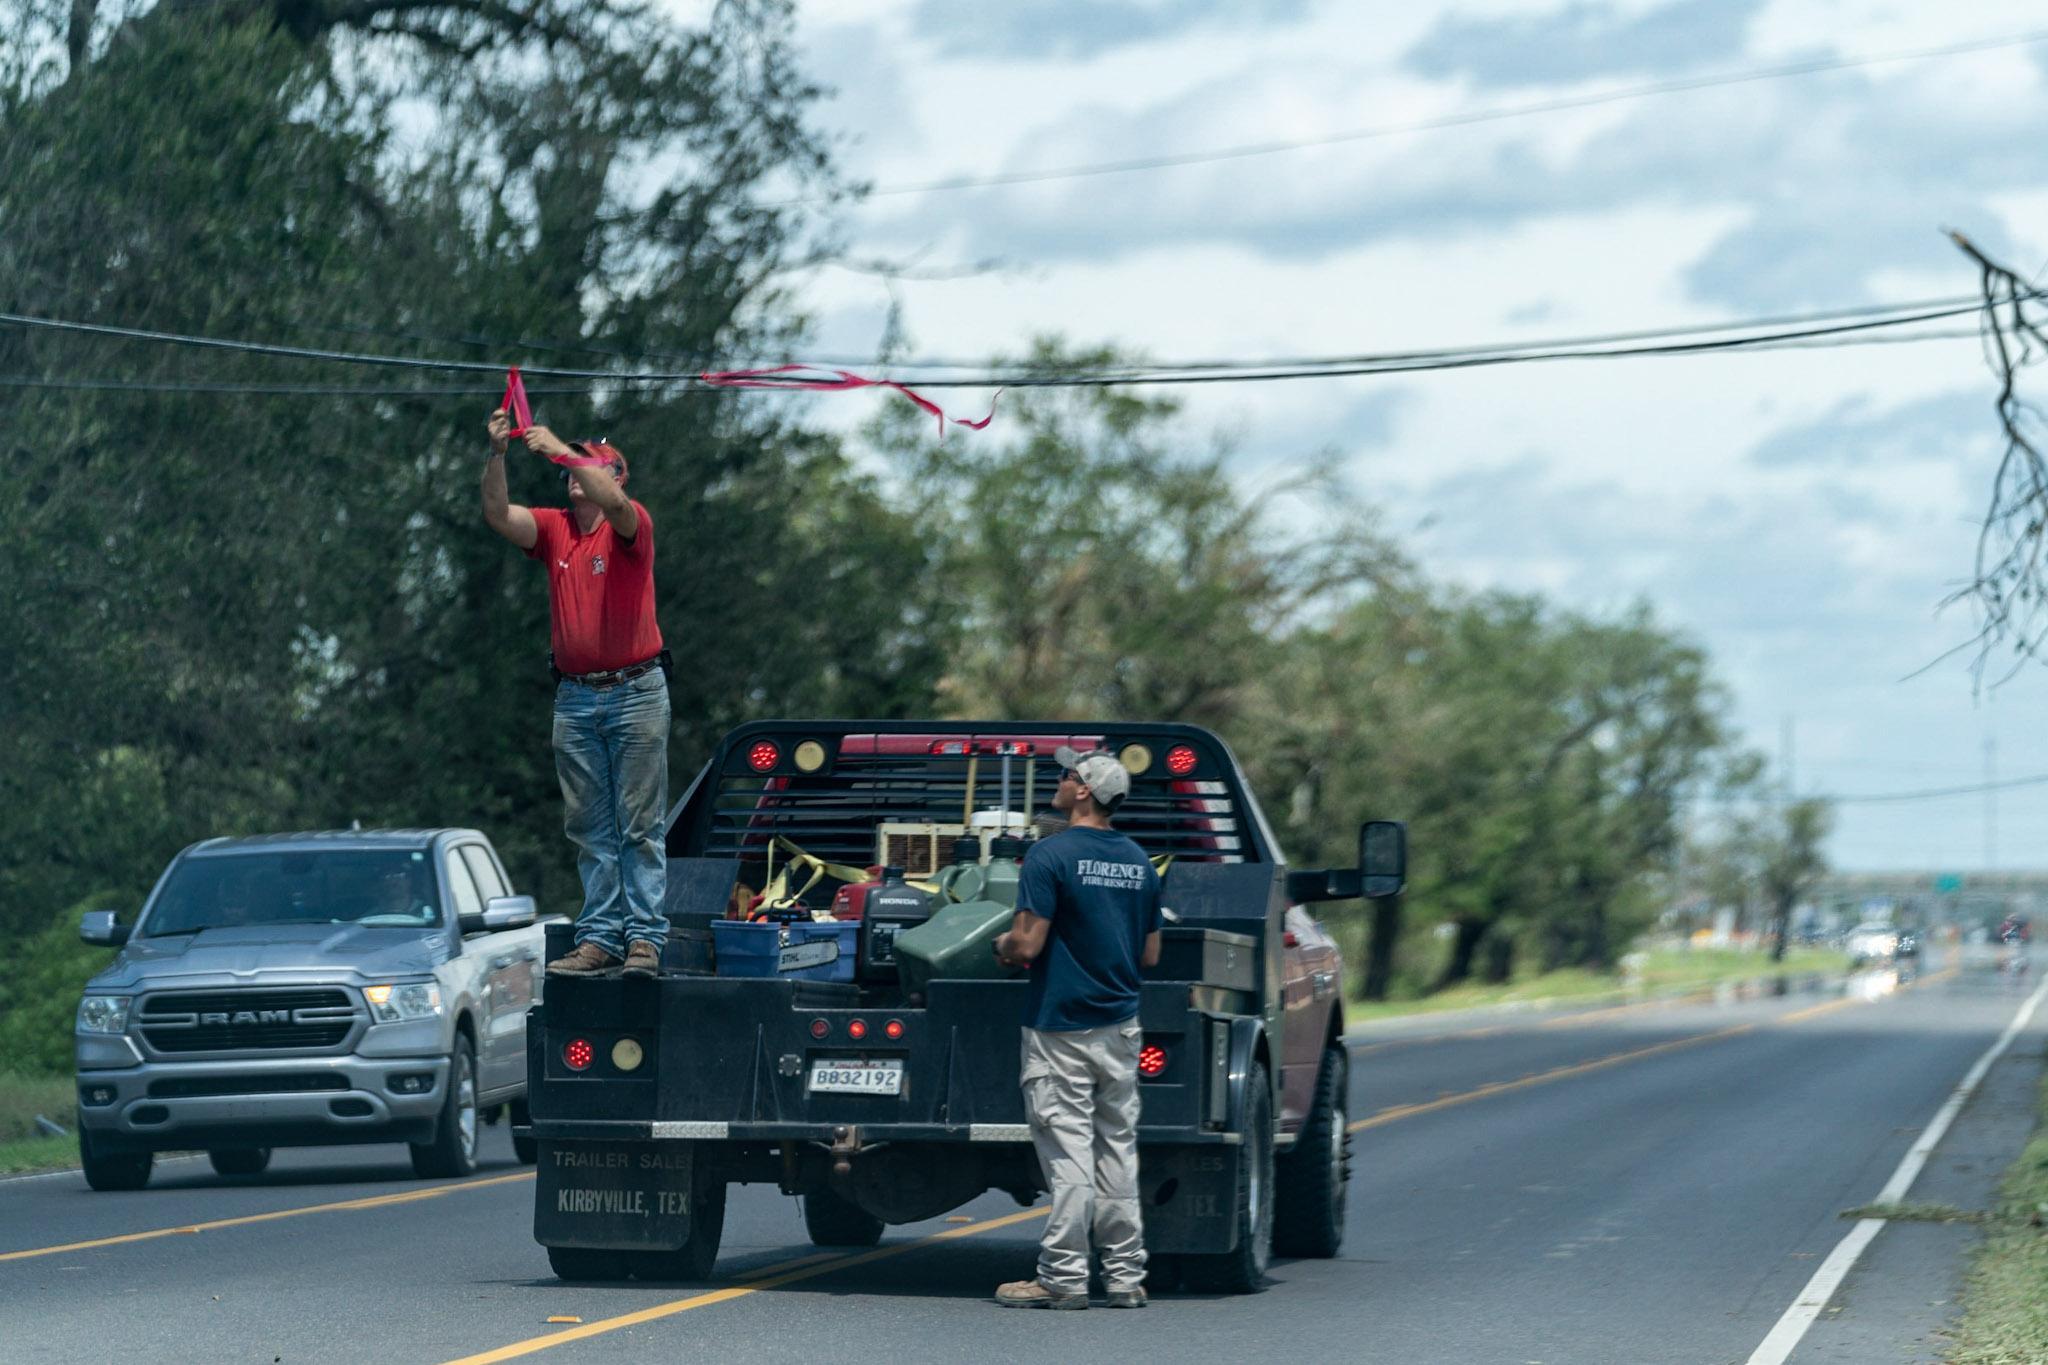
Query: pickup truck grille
[[252, 1020], [187, 1087]]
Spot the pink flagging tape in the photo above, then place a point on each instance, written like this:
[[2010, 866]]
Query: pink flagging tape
[[774, 378], [521, 412], [515, 404]]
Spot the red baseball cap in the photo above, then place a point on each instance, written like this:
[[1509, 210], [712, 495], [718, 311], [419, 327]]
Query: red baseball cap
[[600, 450]]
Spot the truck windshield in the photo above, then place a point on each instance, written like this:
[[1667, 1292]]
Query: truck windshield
[[393, 887]]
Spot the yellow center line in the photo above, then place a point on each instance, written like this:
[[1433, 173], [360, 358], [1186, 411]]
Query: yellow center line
[[778, 1267], [345, 1206], [771, 1277], [1404, 1111]]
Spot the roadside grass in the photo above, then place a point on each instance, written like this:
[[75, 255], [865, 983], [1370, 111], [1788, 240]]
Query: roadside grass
[[1655, 972], [2005, 1314], [21, 1099], [1916, 1213], [38, 1154]]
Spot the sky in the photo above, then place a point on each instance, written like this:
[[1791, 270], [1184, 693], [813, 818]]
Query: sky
[[1802, 514]]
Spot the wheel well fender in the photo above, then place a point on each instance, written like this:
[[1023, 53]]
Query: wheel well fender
[[1248, 1046]]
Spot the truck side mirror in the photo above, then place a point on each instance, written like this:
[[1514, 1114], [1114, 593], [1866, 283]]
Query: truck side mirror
[[500, 912], [1382, 858], [104, 928]]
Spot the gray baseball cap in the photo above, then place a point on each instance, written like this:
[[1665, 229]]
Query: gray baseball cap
[[1108, 780]]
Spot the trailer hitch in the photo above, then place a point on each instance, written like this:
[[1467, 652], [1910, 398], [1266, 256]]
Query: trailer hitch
[[845, 1142]]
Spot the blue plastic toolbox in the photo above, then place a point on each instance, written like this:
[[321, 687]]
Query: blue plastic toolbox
[[802, 950]]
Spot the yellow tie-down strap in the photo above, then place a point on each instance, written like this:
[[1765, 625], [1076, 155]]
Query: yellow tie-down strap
[[778, 896]]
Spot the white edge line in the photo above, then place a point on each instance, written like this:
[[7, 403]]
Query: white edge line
[[1786, 1335]]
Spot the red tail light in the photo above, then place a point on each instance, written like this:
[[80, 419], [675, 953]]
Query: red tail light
[[894, 1028], [577, 1054], [856, 1029], [1180, 760], [1151, 1060], [819, 1028], [762, 756]]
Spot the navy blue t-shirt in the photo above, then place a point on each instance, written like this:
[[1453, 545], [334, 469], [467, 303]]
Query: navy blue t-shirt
[[1102, 896]]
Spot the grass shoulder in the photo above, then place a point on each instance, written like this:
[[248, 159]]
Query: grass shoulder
[[22, 1147], [2005, 1314], [1657, 971]]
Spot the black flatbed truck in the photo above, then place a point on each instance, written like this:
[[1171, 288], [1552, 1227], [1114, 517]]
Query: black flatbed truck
[[648, 1097]]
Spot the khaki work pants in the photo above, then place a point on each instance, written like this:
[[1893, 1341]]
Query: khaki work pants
[[1081, 1096]]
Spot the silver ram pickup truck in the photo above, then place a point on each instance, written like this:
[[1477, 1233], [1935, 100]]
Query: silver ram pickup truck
[[305, 989]]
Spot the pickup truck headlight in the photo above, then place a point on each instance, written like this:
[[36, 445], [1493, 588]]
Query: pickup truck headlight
[[403, 1000], [103, 1014]]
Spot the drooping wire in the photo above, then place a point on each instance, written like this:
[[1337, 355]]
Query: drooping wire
[[1756, 335]]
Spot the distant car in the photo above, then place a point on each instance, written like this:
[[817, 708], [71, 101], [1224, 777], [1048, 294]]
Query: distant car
[[1871, 943], [1908, 944]]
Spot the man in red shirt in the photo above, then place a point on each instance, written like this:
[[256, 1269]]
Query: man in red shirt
[[611, 692]]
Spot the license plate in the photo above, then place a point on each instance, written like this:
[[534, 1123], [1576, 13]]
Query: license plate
[[858, 1077]]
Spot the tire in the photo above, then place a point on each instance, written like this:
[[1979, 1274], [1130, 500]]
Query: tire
[[527, 1149], [239, 1160], [109, 1171], [835, 1221], [1242, 1270], [1309, 1183], [588, 1263], [452, 1153], [696, 1257]]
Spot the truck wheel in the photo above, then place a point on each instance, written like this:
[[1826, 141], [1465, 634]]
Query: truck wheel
[[453, 1150], [239, 1160], [112, 1170], [695, 1258], [1242, 1269], [1308, 1208], [836, 1221], [527, 1149], [587, 1263]]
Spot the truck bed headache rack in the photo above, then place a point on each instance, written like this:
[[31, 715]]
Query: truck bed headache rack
[[829, 787]]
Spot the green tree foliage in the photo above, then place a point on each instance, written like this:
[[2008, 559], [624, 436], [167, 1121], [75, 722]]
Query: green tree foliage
[[39, 991], [283, 610], [1090, 570], [1761, 855], [1540, 757]]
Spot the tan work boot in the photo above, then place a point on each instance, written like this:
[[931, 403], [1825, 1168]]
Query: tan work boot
[[642, 959], [585, 959], [1032, 1294]]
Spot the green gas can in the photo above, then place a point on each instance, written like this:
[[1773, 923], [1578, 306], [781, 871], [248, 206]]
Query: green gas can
[[956, 943]]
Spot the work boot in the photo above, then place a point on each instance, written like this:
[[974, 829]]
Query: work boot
[[642, 959], [1125, 1298], [585, 959], [1032, 1294]]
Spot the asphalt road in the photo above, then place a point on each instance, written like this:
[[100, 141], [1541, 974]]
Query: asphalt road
[[1647, 1184]]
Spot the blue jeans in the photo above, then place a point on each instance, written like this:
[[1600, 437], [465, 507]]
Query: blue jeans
[[611, 753]]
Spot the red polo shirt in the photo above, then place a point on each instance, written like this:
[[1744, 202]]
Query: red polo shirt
[[600, 591]]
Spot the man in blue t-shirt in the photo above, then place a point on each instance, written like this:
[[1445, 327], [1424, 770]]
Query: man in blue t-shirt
[[1087, 920]]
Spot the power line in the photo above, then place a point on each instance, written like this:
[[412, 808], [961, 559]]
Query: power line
[[1935, 793], [1459, 120], [1845, 332], [512, 345]]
